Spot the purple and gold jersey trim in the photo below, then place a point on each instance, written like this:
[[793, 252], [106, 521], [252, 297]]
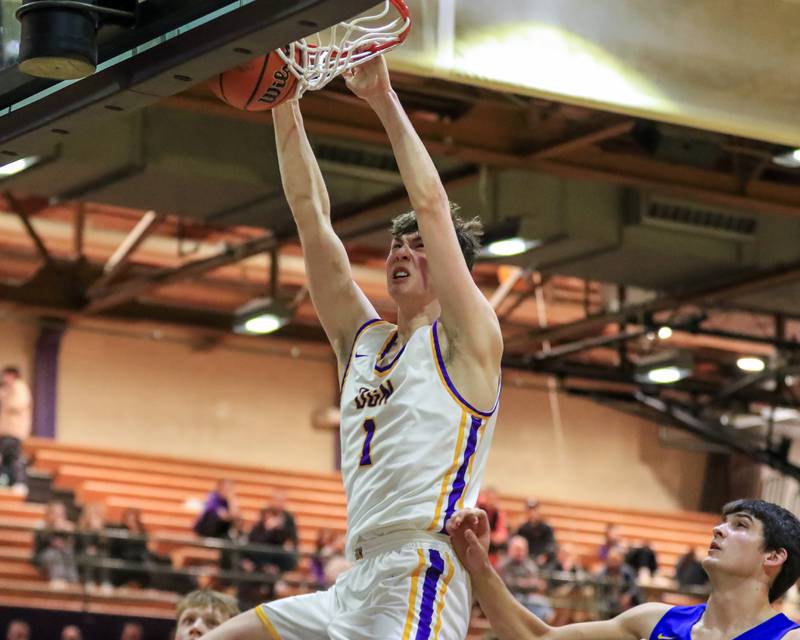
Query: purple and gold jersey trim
[[361, 330], [272, 632], [423, 607], [382, 370], [448, 383], [459, 473]]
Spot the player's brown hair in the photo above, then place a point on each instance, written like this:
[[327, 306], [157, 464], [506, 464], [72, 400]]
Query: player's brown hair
[[468, 232], [208, 599]]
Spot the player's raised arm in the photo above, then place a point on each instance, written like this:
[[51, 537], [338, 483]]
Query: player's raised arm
[[469, 533], [341, 305], [467, 317]]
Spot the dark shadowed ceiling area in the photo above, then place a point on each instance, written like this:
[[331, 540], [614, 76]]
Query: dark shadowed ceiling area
[[174, 213]]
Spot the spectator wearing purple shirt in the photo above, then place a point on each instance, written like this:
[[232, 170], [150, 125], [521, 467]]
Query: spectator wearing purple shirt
[[219, 511]]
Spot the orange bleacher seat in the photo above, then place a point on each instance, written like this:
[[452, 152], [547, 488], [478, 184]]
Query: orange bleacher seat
[[168, 491]]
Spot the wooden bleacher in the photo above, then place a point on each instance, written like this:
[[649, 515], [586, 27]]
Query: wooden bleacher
[[169, 490]]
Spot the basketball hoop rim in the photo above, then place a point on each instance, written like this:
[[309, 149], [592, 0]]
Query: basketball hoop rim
[[405, 13], [347, 44]]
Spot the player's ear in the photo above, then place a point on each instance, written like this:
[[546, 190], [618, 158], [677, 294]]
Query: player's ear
[[775, 557]]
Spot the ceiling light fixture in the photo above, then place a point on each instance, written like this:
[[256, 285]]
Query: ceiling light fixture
[[18, 166], [664, 333], [665, 375], [261, 316], [664, 367], [751, 364], [789, 158], [509, 247]]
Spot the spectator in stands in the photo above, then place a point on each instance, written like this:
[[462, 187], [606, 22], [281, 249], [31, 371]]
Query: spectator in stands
[[130, 545], [18, 630], [566, 560], [201, 611], [567, 565], [219, 511], [539, 534], [689, 571], [71, 632], [236, 536], [53, 547], [617, 590], [132, 631], [335, 560], [521, 575], [275, 527], [329, 560], [324, 546], [15, 426], [612, 541], [489, 501], [92, 546], [642, 559]]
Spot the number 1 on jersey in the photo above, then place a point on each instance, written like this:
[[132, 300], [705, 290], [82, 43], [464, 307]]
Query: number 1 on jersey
[[366, 452]]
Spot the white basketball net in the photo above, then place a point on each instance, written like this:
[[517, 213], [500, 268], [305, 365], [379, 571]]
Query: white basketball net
[[319, 59]]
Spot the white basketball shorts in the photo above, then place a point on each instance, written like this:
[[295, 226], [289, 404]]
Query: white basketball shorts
[[408, 585]]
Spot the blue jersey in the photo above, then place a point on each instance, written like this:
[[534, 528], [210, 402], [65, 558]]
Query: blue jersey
[[677, 624]]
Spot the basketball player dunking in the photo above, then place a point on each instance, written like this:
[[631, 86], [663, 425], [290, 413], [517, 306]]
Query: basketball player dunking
[[418, 401], [753, 559]]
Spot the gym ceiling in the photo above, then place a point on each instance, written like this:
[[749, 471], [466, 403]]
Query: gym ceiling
[[633, 146]]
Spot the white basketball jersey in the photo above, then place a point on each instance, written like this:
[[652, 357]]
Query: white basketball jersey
[[413, 450]]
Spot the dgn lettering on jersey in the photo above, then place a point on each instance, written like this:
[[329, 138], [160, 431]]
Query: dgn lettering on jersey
[[374, 397]]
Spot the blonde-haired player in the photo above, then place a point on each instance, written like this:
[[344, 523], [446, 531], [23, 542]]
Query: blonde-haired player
[[418, 402]]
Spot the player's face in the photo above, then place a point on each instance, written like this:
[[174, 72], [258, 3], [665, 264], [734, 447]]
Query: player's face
[[737, 546], [19, 631], [197, 622], [407, 275]]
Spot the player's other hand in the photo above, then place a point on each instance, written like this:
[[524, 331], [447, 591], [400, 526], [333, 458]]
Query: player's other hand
[[469, 533], [370, 79]]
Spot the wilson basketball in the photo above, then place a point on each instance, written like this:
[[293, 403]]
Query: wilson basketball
[[258, 85]]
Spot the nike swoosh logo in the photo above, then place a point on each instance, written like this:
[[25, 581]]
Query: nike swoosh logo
[[661, 636], [361, 355]]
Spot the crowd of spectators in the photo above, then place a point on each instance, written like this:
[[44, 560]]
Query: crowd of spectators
[[537, 569], [542, 573], [103, 555]]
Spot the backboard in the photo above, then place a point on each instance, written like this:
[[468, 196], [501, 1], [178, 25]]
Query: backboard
[[175, 44]]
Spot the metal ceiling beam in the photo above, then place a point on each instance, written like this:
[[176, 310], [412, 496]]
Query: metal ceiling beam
[[590, 343], [571, 370], [717, 433], [79, 229], [724, 290], [700, 185], [41, 248], [116, 263], [579, 142], [501, 293], [642, 172], [126, 291], [372, 216]]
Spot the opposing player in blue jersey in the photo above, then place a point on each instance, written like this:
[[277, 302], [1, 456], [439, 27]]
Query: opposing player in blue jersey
[[418, 398], [753, 559]]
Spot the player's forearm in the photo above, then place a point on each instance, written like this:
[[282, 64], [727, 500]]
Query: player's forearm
[[302, 179], [420, 177], [509, 619]]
